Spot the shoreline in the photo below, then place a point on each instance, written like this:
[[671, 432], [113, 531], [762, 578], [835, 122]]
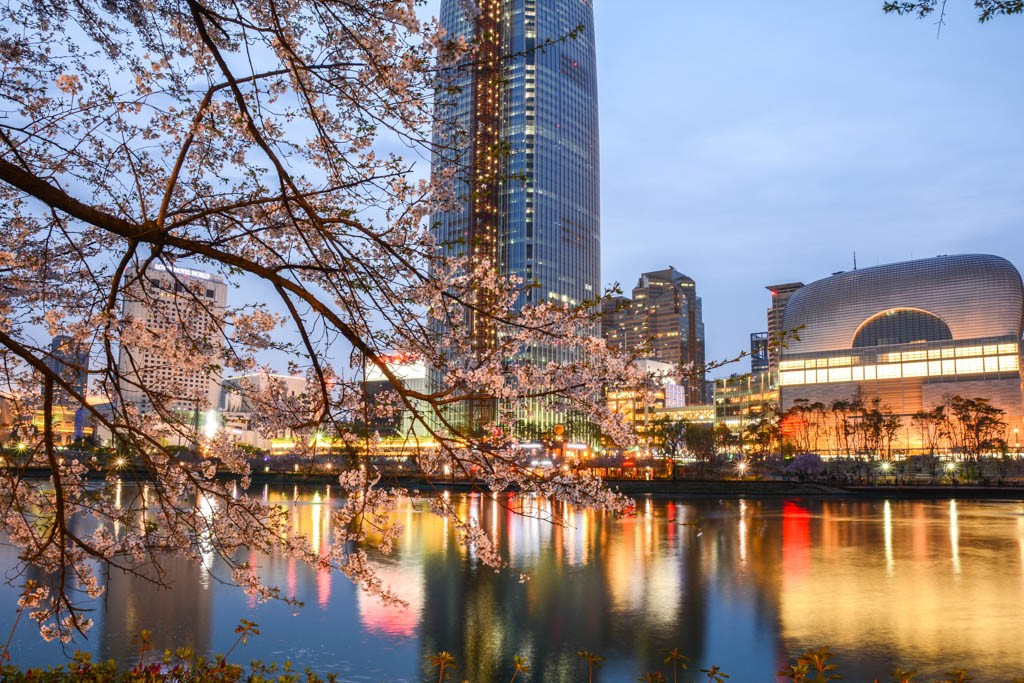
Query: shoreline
[[715, 488], [722, 488]]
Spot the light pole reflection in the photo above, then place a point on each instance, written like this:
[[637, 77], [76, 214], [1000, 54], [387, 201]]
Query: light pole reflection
[[954, 537], [887, 526]]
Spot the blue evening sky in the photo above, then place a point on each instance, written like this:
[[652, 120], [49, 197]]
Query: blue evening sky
[[749, 143]]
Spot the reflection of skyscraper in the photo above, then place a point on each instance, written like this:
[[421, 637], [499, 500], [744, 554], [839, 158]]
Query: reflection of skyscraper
[[520, 126], [176, 617]]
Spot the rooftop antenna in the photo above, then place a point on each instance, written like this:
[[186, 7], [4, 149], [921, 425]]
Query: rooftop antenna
[[855, 259]]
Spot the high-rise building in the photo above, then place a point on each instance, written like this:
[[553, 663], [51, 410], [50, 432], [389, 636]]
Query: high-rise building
[[663, 321], [778, 335], [173, 356], [758, 353], [518, 126], [69, 359]]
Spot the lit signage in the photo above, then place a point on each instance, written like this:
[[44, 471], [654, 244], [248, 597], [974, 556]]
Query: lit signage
[[403, 366]]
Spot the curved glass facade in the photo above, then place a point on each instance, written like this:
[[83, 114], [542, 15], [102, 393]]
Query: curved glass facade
[[549, 193], [904, 326], [975, 295]]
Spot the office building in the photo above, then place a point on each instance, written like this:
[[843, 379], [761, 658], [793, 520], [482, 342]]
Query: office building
[[743, 400], [412, 372], [171, 351], [533, 209], [247, 401], [778, 334], [759, 353], [662, 321], [911, 335], [70, 360]]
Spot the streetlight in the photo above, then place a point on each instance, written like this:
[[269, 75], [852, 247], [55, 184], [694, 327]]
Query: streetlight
[[885, 467]]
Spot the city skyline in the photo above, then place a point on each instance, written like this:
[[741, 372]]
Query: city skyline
[[777, 141], [738, 217]]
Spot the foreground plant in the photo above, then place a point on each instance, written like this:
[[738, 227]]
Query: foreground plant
[[520, 667], [715, 674], [444, 662], [817, 662], [593, 661], [184, 666], [180, 666], [678, 661]]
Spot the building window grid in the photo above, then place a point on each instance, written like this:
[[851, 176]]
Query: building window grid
[[969, 357]]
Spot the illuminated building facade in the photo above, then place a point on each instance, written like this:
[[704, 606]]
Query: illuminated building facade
[[182, 305], [533, 208], [743, 400], [246, 399], [910, 334], [663, 321], [412, 372]]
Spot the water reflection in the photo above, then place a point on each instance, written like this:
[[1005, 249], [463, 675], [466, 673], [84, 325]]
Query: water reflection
[[739, 583]]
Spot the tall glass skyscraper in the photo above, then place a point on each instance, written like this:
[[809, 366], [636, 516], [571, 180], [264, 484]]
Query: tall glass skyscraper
[[530, 92]]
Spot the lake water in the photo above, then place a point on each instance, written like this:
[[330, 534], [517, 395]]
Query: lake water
[[744, 584]]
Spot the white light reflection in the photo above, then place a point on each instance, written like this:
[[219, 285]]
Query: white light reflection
[[474, 520], [954, 537], [145, 508], [494, 517], [887, 521], [117, 505], [316, 510], [444, 527], [1020, 543], [206, 510], [742, 530]]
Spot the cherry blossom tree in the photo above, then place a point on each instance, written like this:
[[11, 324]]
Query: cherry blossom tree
[[275, 144]]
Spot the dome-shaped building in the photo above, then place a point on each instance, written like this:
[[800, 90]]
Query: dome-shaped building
[[911, 334]]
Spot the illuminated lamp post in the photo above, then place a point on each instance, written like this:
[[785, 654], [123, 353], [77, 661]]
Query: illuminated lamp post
[[559, 430], [951, 471], [885, 467]]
